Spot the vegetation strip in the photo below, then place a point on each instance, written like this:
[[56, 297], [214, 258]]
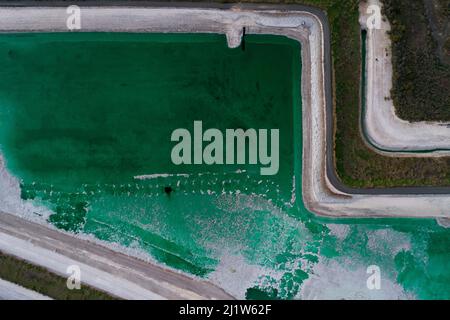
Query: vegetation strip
[[43, 281], [363, 111], [421, 83]]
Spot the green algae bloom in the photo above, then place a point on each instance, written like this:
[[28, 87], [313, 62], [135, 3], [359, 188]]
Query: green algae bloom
[[86, 121]]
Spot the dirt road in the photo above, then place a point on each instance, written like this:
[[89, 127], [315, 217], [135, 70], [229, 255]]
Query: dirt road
[[103, 268]]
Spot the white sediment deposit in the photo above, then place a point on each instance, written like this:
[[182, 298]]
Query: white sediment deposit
[[125, 277], [319, 195], [12, 291]]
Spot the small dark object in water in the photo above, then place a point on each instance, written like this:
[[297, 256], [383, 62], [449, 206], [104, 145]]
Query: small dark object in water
[[168, 190]]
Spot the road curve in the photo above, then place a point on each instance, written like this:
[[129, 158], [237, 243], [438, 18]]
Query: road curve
[[382, 129]]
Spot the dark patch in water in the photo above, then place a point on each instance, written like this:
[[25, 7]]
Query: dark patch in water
[[168, 190]]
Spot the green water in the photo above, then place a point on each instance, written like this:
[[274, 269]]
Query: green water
[[82, 114]]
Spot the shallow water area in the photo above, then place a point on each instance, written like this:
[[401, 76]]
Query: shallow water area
[[85, 127]]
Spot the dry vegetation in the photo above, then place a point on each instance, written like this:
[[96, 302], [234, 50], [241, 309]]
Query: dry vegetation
[[40, 280], [421, 86], [357, 165]]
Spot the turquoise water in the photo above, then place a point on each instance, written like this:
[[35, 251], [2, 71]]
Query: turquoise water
[[83, 114]]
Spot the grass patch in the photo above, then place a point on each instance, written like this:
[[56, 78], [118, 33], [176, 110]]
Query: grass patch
[[43, 281], [421, 83], [356, 164]]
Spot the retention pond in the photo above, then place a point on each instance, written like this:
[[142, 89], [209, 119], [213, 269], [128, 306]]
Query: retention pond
[[86, 125]]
